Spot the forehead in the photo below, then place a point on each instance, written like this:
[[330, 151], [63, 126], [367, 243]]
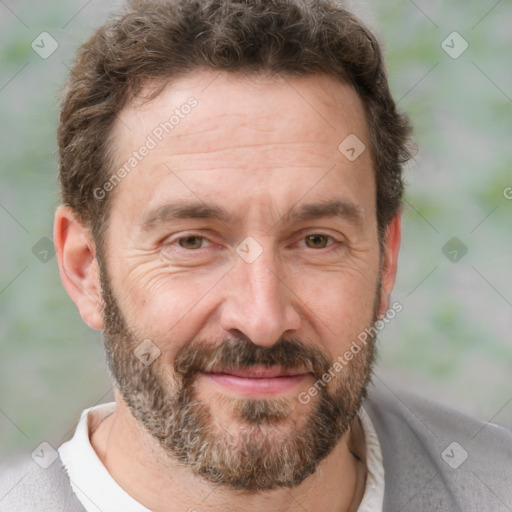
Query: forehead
[[236, 133], [253, 102]]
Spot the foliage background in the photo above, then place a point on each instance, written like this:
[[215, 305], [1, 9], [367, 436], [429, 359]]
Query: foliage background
[[452, 340]]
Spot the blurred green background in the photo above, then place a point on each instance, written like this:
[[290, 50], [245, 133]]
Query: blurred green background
[[451, 342]]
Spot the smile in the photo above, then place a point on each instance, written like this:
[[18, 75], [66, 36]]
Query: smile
[[248, 381]]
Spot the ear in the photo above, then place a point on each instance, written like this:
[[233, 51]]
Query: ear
[[389, 262], [78, 267]]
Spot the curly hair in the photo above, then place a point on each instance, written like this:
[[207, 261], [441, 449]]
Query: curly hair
[[165, 39]]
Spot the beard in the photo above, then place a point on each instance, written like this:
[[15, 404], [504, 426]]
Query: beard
[[262, 444]]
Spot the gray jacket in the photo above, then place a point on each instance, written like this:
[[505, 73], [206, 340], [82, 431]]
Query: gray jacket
[[435, 460]]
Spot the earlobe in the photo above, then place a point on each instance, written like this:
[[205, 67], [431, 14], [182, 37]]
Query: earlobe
[[78, 266], [390, 261]]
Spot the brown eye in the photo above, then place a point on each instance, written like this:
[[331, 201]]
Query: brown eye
[[191, 242], [317, 241]]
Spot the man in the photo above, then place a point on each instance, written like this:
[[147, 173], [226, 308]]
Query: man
[[231, 179]]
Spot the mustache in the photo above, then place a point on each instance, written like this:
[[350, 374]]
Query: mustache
[[238, 353]]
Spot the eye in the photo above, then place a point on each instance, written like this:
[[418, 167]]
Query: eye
[[318, 241], [191, 242]]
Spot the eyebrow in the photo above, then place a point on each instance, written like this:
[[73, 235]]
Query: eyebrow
[[345, 210], [184, 210], [166, 213]]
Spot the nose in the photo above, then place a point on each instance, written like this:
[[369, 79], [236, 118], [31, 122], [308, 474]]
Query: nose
[[260, 304]]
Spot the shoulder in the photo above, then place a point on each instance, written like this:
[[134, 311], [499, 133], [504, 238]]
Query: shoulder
[[438, 459], [27, 487]]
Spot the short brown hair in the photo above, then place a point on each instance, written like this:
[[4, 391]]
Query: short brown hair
[[165, 39]]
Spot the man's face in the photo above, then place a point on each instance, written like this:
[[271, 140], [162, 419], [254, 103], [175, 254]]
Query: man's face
[[244, 246]]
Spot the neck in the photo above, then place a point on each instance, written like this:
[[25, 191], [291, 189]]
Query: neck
[[136, 462]]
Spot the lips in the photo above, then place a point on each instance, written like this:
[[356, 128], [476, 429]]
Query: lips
[[257, 380], [258, 373]]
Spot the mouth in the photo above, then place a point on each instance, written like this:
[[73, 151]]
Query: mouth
[[257, 380]]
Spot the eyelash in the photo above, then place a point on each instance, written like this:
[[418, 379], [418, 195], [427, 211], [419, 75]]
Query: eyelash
[[330, 238]]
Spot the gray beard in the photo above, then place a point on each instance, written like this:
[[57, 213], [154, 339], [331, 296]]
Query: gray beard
[[269, 449]]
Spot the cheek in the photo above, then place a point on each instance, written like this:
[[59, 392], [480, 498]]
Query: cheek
[[339, 304], [162, 304], [170, 306]]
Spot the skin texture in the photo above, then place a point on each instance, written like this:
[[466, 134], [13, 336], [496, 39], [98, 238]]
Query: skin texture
[[257, 147]]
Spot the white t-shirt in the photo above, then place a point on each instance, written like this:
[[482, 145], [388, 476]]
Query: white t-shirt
[[99, 492]]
